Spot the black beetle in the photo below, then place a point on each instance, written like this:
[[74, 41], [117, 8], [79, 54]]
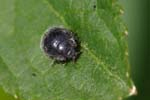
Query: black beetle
[[60, 44]]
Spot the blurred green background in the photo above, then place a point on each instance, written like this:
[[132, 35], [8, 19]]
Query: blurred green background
[[137, 18]]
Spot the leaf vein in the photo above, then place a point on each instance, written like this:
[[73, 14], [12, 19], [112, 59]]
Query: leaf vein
[[99, 62]]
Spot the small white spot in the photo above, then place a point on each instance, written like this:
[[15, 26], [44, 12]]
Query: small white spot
[[15, 96], [127, 74], [55, 44], [121, 11], [126, 32], [61, 47], [69, 52], [133, 91], [126, 53], [71, 39]]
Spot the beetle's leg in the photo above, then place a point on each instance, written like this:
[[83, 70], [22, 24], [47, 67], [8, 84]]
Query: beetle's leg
[[72, 42], [60, 58]]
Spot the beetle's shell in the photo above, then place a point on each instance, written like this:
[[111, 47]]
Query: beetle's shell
[[60, 44]]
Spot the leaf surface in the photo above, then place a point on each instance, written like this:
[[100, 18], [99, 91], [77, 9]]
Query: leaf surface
[[100, 73]]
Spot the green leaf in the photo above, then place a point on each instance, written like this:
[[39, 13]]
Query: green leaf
[[100, 73]]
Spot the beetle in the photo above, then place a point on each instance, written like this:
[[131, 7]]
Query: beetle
[[60, 44]]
